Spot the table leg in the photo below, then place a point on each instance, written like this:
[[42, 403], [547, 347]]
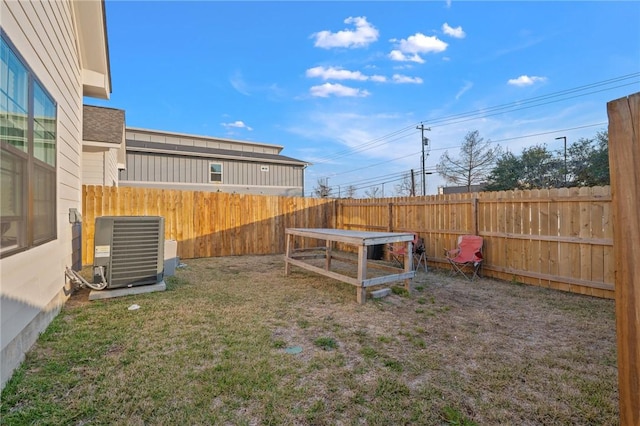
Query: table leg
[[408, 265], [361, 294], [287, 255], [327, 260]]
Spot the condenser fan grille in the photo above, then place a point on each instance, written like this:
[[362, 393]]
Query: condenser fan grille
[[135, 249]]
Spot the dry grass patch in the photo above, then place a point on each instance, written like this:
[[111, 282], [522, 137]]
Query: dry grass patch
[[234, 341]]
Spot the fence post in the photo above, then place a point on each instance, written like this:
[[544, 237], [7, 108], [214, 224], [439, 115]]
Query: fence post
[[390, 214], [474, 213], [624, 157]]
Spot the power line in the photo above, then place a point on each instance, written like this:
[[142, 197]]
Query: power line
[[441, 149], [540, 98], [533, 135], [487, 112]]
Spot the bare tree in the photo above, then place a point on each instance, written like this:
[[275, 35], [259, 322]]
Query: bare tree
[[474, 163], [374, 192], [322, 190], [350, 192], [407, 187]]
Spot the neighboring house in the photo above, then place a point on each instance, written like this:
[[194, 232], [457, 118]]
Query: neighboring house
[[52, 54], [461, 189], [103, 145], [158, 159]]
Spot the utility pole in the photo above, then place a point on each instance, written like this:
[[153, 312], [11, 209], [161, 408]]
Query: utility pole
[[424, 141], [565, 158], [413, 184]]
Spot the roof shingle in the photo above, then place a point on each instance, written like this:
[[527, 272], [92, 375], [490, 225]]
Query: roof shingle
[[101, 124]]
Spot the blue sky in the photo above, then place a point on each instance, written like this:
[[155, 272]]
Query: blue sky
[[343, 85]]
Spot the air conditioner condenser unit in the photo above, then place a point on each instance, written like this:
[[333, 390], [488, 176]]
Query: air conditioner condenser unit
[[128, 251]]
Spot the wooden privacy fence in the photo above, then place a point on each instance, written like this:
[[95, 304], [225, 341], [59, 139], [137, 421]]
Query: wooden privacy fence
[[207, 224], [558, 238]]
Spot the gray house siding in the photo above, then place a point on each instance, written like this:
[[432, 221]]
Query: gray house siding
[[173, 161], [193, 173]]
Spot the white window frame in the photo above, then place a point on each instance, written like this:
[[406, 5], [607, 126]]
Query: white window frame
[[211, 172]]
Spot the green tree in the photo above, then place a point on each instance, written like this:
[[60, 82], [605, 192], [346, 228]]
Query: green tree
[[588, 163], [473, 164], [506, 174], [540, 169]]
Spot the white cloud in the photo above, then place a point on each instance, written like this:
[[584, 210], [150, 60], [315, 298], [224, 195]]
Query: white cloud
[[399, 78], [409, 49], [335, 74], [378, 78], [363, 35], [453, 32], [237, 124], [329, 89], [448, 2], [396, 55], [525, 80], [238, 83], [332, 73], [467, 86]]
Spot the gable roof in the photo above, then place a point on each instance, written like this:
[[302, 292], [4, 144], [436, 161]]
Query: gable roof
[[101, 124]]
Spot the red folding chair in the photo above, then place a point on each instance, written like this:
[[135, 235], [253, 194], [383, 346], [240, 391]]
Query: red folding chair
[[397, 252], [466, 260]]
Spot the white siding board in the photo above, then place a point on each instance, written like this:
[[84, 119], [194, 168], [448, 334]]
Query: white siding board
[[111, 164], [140, 137], [93, 168], [156, 138], [172, 140], [51, 75], [43, 35]]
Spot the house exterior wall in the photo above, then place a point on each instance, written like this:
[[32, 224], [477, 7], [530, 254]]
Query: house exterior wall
[[151, 167], [192, 173], [100, 167], [32, 282], [157, 160]]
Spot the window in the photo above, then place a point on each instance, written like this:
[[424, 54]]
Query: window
[[215, 172], [28, 133]]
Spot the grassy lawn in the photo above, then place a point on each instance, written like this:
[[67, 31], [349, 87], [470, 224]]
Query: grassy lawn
[[234, 342]]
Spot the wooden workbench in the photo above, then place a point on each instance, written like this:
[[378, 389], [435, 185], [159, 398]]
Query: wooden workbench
[[362, 240]]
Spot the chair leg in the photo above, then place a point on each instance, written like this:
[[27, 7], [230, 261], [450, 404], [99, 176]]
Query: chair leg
[[420, 259], [457, 268], [476, 270], [398, 260]]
